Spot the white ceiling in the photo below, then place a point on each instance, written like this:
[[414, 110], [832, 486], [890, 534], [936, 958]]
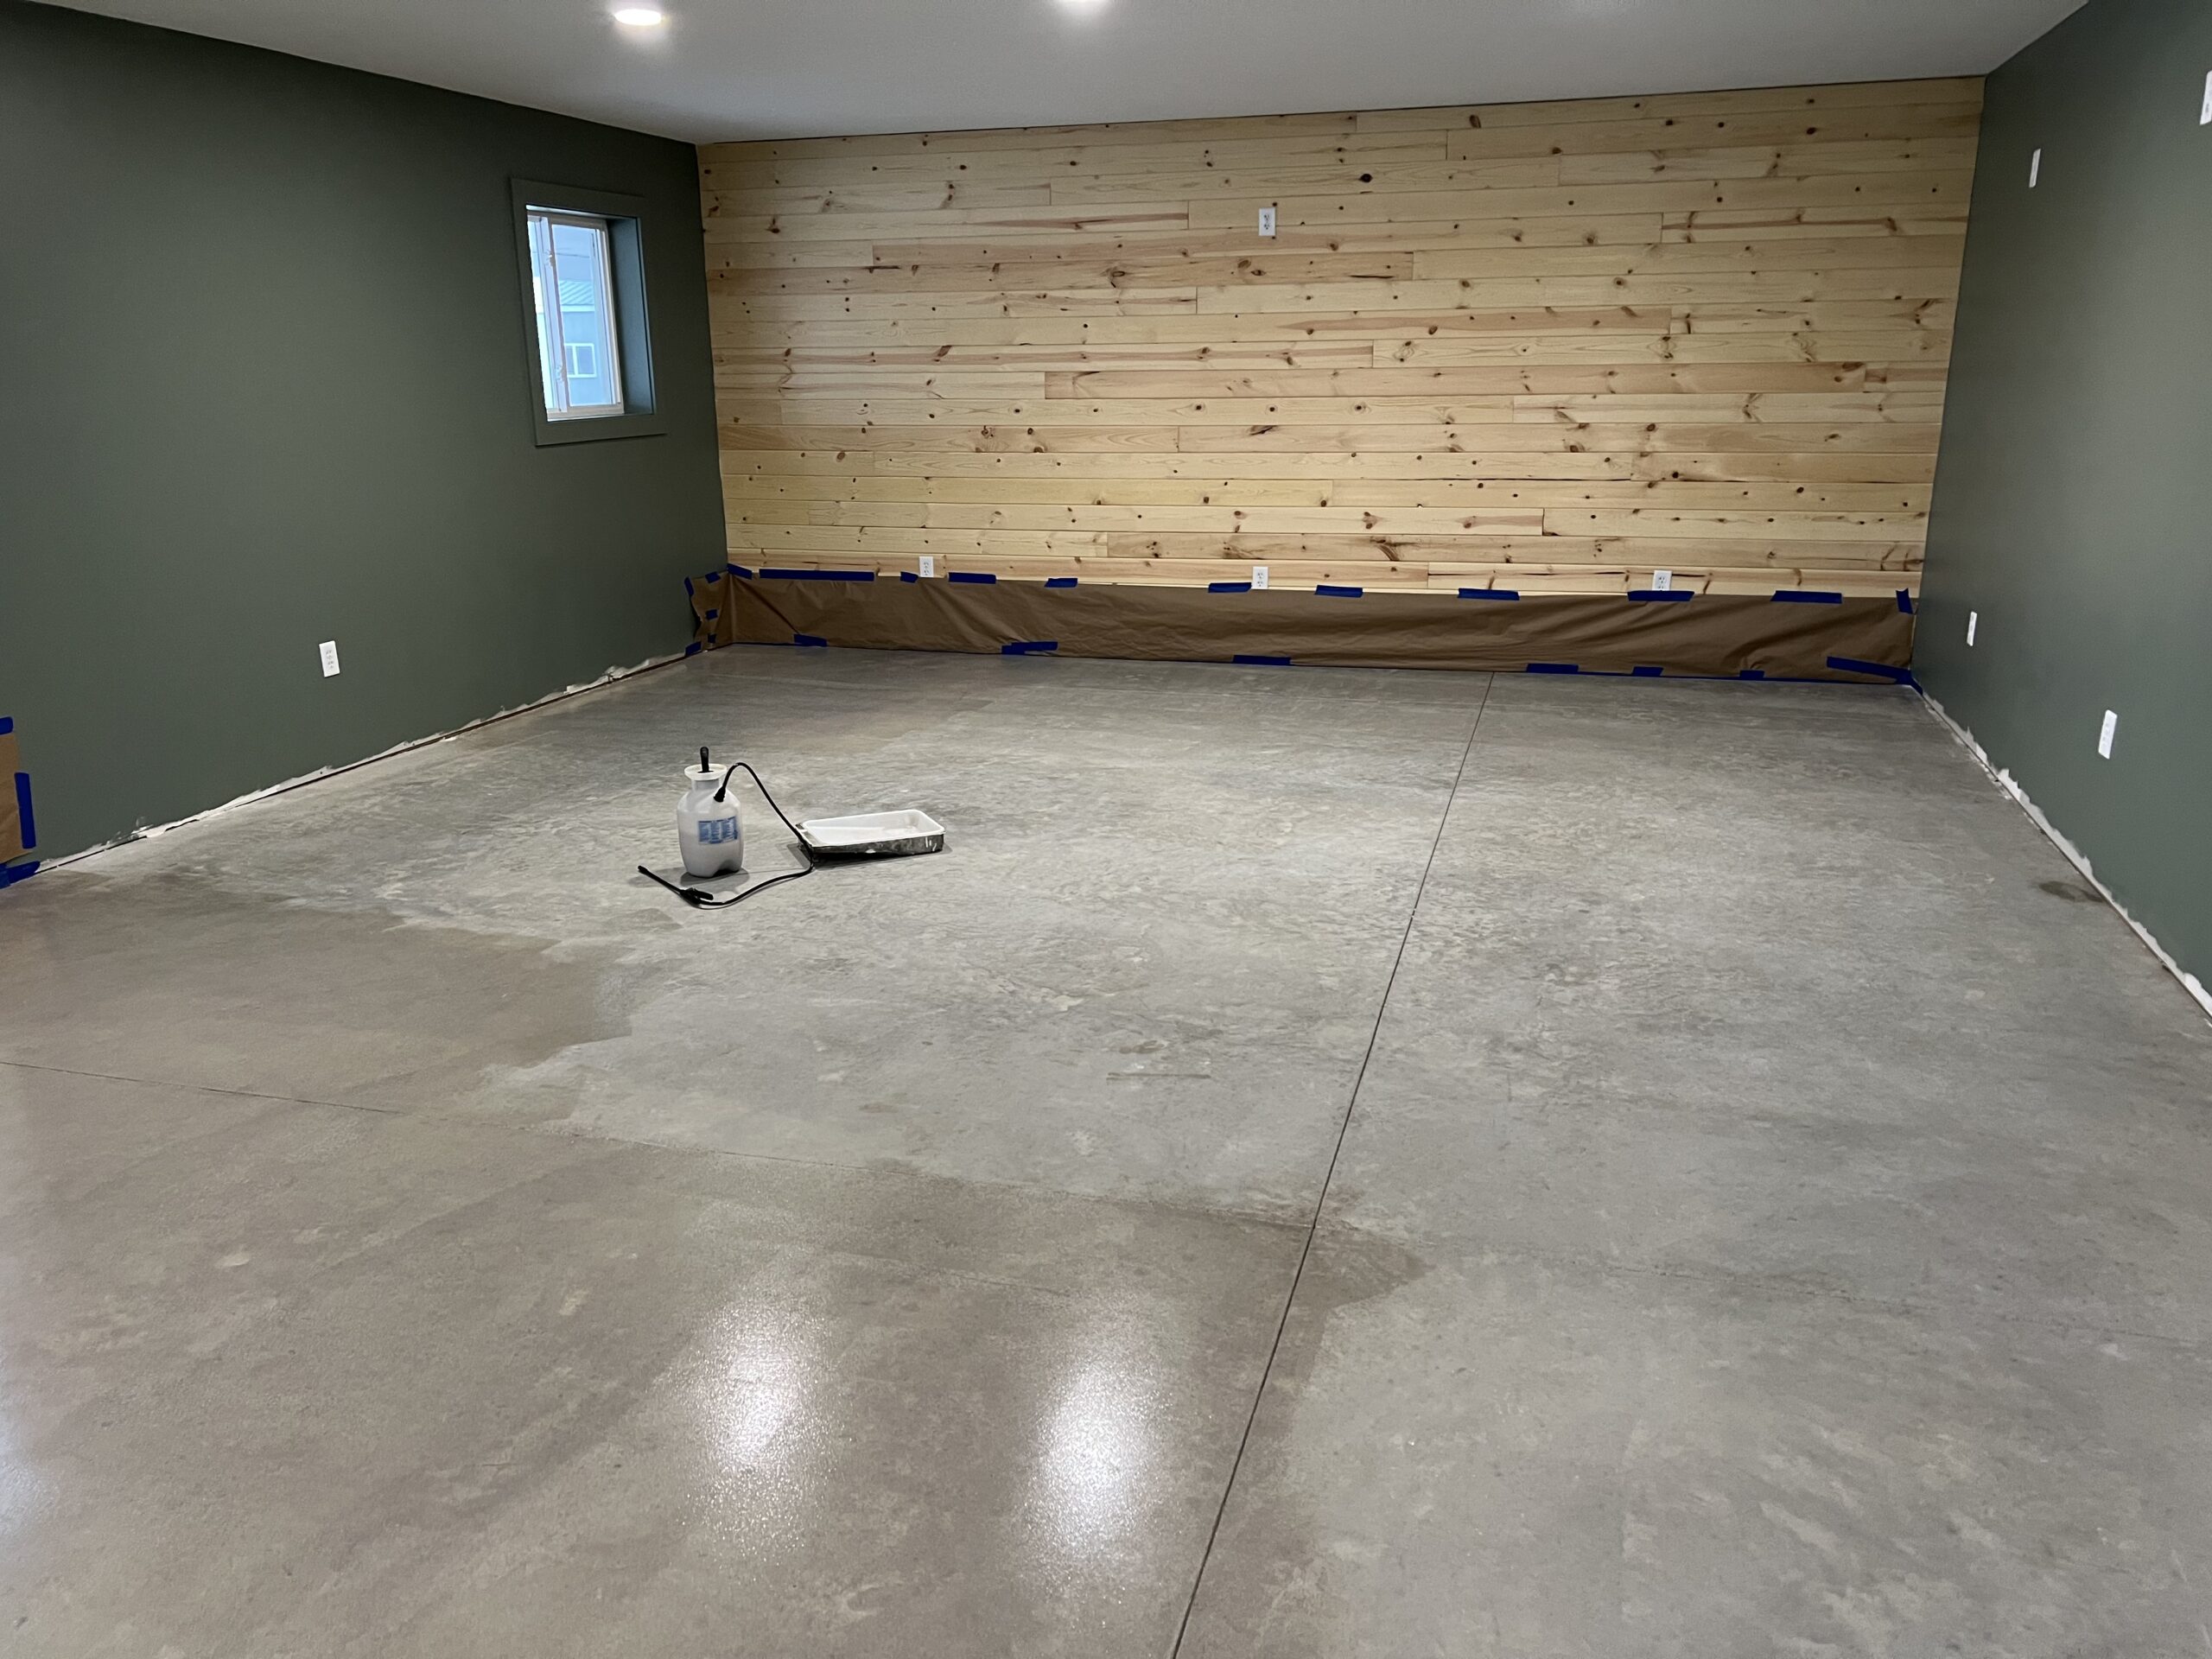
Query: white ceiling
[[779, 68]]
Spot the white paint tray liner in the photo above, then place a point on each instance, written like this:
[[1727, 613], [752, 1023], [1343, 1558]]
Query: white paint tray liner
[[873, 835]]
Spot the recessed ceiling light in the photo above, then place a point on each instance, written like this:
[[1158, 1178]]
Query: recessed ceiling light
[[641, 16], [1083, 7]]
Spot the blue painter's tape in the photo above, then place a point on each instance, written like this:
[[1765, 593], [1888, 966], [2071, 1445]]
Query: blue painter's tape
[[711, 615], [1646, 673], [1752, 674], [7, 724], [1489, 593], [818, 575], [27, 823], [1644, 595], [984, 576], [1554, 668], [1229, 587], [1805, 596], [738, 571], [1028, 647], [808, 640], [1262, 662], [11, 873], [686, 588], [693, 649], [908, 575], [1905, 601], [1060, 581], [1852, 665], [1330, 590]]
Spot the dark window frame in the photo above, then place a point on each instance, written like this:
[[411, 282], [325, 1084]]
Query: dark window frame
[[642, 415]]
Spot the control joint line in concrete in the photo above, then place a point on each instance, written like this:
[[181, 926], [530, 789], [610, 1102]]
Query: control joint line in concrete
[[1321, 1198]]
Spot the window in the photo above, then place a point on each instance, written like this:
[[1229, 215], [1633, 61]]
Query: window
[[583, 286], [572, 285]]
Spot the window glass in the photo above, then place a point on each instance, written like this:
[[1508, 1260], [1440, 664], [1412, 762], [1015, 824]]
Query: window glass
[[572, 285]]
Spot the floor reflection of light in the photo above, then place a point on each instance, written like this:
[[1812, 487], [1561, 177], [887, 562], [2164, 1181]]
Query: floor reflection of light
[[22, 1487], [1098, 1445], [756, 1394]]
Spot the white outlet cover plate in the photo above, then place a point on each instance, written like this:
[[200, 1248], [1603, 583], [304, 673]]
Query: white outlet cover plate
[[1259, 575], [1266, 221], [1974, 621], [2105, 734], [929, 564], [2035, 169], [329, 649], [1662, 581]]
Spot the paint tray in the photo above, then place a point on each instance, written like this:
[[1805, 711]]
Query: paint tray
[[873, 835]]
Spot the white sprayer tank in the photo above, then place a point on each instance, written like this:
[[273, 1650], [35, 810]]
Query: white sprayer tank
[[706, 829]]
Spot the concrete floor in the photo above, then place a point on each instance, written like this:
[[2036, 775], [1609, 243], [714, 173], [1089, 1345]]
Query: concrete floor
[[1326, 1163]]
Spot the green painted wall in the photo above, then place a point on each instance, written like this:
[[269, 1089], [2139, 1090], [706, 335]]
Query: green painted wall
[[263, 382], [2073, 506]]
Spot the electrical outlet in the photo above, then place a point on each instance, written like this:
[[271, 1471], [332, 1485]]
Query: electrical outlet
[[1662, 581], [1259, 576], [1266, 221], [2205, 119], [1974, 621], [329, 649], [929, 564], [2035, 169], [2105, 734]]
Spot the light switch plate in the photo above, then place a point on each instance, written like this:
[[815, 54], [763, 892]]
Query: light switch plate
[[2035, 169], [2105, 734], [2205, 119], [1974, 621]]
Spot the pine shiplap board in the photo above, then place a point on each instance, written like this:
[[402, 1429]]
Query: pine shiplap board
[[1206, 334], [1551, 346], [824, 492], [1230, 266], [1431, 444], [1672, 466], [1917, 406]]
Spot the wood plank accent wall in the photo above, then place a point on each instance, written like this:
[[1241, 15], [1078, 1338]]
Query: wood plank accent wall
[[1549, 346]]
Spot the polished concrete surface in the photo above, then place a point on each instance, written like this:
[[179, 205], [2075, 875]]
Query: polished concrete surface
[[1326, 1163]]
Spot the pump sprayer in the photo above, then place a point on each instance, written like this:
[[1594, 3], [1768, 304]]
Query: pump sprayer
[[707, 828], [711, 839]]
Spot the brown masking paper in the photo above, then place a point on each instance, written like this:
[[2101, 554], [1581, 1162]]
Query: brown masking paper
[[1721, 634], [11, 824]]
